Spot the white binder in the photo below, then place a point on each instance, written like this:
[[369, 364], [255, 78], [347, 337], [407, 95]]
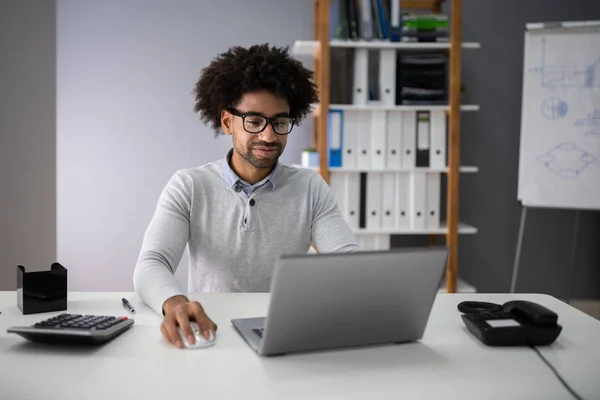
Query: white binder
[[409, 126], [402, 194], [373, 242], [378, 139], [373, 206], [360, 95], [350, 139], [353, 199], [388, 201], [337, 183], [366, 20], [387, 77], [363, 160], [418, 203], [396, 21], [394, 140], [434, 181], [366, 242], [382, 242], [437, 152]]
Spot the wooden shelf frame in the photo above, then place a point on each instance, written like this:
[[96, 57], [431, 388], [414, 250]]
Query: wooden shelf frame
[[455, 47], [454, 144]]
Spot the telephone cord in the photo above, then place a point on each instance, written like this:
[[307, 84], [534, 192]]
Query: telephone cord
[[478, 307], [560, 378]]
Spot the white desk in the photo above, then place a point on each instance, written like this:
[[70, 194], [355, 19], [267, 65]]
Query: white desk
[[448, 363]]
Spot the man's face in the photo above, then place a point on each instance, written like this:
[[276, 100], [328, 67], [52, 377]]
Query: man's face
[[260, 148]]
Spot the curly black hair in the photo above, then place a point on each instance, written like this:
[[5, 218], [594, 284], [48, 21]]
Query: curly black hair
[[242, 70]]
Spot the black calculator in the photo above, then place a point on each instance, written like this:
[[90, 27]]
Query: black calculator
[[74, 329]]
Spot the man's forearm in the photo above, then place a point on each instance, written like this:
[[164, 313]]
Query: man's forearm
[[155, 283], [163, 245]]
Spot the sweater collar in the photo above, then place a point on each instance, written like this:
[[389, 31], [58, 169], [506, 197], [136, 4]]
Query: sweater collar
[[231, 178]]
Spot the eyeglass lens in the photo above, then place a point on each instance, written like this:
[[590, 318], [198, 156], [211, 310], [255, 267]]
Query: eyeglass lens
[[256, 123]]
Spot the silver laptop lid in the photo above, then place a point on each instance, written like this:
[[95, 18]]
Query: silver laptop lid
[[326, 301]]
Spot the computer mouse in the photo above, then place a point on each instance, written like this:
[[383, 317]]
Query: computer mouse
[[201, 342]]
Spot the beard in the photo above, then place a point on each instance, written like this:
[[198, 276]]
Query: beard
[[258, 160]]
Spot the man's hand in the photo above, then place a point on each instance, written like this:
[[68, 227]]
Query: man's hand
[[179, 311]]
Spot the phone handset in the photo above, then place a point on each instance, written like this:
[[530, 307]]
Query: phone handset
[[531, 311]]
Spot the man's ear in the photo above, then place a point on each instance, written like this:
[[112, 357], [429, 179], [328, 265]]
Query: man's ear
[[226, 122]]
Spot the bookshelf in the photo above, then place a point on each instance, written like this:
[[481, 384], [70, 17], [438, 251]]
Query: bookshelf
[[320, 49]]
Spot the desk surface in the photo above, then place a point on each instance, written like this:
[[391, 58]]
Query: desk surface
[[447, 363]]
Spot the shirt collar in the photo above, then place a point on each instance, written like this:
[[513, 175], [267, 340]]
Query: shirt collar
[[231, 178]]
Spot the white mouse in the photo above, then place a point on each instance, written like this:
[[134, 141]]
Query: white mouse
[[201, 342]]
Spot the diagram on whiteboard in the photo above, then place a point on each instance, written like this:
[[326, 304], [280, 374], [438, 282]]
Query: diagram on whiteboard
[[566, 160], [554, 108], [568, 74], [590, 124]]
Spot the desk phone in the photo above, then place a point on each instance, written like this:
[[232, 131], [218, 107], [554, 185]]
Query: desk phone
[[516, 323]]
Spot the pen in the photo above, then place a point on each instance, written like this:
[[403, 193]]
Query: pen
[[128, 305]]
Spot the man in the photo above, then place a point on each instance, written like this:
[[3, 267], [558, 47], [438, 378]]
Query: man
[[239, 214]]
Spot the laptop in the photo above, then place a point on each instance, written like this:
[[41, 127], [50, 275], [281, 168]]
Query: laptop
[[341, 300]]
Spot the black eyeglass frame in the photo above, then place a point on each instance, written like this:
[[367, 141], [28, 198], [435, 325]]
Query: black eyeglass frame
[[269, 120]]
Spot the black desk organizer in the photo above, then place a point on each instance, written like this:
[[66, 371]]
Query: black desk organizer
[[42, 291]]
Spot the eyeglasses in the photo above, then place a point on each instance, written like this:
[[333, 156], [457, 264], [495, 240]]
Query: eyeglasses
[[254, 123]]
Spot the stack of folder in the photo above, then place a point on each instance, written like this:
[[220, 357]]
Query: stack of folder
[[421, 78], [430, 27]]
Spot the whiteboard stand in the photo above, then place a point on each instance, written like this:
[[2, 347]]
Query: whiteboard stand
[[573, 258], [571, 266], [513, 282]]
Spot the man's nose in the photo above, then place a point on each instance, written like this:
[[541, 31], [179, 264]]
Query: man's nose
[[268, 134]]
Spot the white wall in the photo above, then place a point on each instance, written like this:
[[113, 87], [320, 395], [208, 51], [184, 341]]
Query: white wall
[[27, 138], [125, 120]]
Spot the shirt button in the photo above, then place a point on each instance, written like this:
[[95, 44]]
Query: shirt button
[[252, 202], [245, 220], [237, 188]]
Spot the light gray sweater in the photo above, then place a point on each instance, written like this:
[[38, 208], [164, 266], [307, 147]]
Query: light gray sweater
[[234, 239]]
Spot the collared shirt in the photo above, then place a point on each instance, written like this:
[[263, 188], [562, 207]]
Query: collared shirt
[[232, 179]]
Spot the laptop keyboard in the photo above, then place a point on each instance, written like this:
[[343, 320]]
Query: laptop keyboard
[[259, 332]]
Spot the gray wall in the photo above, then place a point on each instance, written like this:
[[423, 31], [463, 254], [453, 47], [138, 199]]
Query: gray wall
[[27, 137], [490, 140], [125, 119]]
